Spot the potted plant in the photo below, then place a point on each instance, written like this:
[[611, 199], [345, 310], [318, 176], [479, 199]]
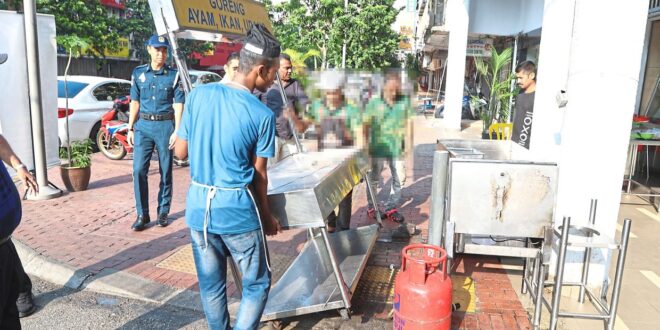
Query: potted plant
[[499, 84], [77, 171]]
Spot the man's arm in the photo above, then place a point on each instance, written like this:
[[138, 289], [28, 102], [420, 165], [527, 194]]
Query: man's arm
[[134, 109], [8, 156], [178, 111], [260, 183], [181, 148]]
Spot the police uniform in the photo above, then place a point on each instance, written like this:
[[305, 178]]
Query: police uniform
[[156, 91]]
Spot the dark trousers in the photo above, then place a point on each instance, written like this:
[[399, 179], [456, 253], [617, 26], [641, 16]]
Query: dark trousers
[[150, 135], [343, 220], [9, 286]]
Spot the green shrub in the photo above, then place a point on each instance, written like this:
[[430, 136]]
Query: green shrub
[[81, 153]]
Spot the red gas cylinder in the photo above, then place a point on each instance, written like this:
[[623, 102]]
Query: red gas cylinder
[[422, 289]]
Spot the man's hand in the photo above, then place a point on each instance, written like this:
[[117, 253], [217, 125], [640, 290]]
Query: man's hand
[[172, 140], [27, 178], [272, 226], [130, 138]]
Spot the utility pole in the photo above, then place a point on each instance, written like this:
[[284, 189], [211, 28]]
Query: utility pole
[[36, 115], [343, 52]]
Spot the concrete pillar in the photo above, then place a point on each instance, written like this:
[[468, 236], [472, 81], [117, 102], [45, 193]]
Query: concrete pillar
[[552, 77], [458, 21], [602, 78]]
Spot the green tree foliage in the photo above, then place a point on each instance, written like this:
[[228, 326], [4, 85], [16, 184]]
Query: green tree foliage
[[323, 25], [87, 20], [140, 24]]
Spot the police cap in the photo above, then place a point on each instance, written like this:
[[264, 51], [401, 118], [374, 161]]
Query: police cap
[[158, 41]]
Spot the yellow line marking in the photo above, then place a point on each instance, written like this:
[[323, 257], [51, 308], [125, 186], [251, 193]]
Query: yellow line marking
[[654, 216], [619, 325], [651, 276], [620, 228], [464, 293]]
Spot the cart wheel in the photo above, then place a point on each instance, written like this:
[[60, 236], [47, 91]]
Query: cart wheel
[[345, 314]]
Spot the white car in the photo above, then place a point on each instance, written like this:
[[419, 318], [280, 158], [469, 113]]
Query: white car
[[89, 98], [203, 77]]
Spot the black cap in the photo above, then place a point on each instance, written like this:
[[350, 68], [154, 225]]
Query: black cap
[[261, 42]]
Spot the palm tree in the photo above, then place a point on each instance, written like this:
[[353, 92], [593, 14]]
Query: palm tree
[[498, 84]]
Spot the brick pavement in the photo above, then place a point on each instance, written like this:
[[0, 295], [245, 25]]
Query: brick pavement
[[90, 230]]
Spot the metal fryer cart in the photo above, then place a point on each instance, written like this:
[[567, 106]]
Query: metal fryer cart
[[303, 190], [491, 189]]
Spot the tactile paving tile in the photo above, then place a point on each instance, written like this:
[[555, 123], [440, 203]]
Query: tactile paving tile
[[183, 261], [180, 261], [377, 286]]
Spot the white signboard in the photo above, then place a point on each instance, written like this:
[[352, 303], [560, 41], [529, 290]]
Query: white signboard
[[15, 104]]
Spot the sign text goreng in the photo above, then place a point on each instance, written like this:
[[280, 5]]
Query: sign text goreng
[[233, 17]]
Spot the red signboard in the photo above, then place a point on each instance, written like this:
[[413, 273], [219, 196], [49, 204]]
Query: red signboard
[[114, 3], [219, 57]]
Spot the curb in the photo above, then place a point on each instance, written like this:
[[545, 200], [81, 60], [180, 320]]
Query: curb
[[110, 281]]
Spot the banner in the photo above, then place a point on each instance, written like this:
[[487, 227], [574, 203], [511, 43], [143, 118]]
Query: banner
[[233, 17], [15, 108]]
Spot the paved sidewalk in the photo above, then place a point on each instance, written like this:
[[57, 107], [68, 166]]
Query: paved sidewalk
[[84, 240]]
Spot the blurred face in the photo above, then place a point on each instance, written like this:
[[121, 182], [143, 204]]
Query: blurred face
[[158, 55], [266, 76], [285, 69], [391, 89], [334, 98], [525, 79], [230, 69]]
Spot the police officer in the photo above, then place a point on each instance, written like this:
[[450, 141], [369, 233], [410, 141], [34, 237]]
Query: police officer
[[155, 114]]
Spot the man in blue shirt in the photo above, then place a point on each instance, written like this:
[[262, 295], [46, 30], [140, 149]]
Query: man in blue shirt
[[155, 115], [228, 135], [11, 270]]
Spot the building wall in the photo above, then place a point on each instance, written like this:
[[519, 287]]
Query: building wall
[[652, 66], [505, 17]]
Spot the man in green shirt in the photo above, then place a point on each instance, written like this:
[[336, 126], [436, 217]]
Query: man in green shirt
[[390, 137], [338, 125]]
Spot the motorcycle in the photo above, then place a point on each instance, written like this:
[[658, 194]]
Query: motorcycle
[[112, 138]]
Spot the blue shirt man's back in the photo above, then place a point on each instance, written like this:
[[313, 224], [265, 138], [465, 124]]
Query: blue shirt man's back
[[225, 128]]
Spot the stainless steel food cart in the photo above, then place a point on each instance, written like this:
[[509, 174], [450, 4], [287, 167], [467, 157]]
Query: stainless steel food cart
[[303, 190], [489, 198]]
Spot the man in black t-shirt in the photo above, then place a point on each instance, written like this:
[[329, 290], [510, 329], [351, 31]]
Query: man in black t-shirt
[[524, 109]]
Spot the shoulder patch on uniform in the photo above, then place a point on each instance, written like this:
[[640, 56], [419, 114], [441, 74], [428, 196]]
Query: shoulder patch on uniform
[[142, 66]]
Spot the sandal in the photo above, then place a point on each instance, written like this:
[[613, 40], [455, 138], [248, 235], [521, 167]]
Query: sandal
[[394, 215]]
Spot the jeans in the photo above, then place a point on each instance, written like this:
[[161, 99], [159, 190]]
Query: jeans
[[9, 286], [247, 250], [398, 171], [152, 135], [343, 220]]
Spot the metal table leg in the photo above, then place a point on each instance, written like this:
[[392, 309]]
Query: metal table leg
[[559, 277], [345, 295], [372, 196], [618, 276], [538, 303]]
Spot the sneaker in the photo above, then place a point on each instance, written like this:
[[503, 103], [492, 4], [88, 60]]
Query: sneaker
[[25, 304], [393, 215]]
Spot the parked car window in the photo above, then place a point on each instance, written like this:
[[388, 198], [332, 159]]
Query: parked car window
[[105, 92], [124, 89], [193, 79], [73, 88], [215, 78]]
